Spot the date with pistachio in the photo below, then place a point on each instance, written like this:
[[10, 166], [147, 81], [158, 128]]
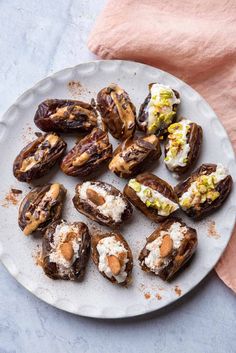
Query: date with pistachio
[[40, 207], [134, 155], [117, 111], [154, 197], [205, 190], [158, 110], [113, 257], [64, 115], [102, 203], [38, 157], [65, 250], [183, 145], [88, 154], [168, 248]]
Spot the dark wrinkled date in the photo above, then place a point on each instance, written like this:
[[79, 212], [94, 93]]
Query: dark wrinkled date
[[40, 207], [38, 157], [63, 115], [117, 111], [133, 155], [102, 203], [65, 250], [88, 154]]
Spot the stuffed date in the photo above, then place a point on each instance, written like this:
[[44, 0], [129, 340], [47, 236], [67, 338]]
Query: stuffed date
[[38, 157], [88, 154], [113, 257], [117, 111], [102, 203], [64, 115], [65, 251], [183, 145], [205, 190], [40, 207], [158, 110], [154, 197], [134, 155], [168, 248]]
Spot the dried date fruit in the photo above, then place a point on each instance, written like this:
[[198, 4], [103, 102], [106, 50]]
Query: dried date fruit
[[113, 257], [38, 157], [154, 197], [117, 111], [183, 145], [158, 110], [102, 203], [40, 207], [64, 115], [88, 154], [168, 248], [134, 155], [66, 248], [205, 190]]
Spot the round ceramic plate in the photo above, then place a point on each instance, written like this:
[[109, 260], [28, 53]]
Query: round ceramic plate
[[95, 296]]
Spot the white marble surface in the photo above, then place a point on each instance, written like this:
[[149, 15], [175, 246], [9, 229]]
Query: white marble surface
[[38, 38]]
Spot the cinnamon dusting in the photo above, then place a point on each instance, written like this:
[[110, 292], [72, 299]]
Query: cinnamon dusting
[[11, 198], [211, 230], [178, 291]]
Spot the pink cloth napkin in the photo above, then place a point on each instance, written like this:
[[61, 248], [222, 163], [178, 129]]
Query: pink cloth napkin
[[192, 39]]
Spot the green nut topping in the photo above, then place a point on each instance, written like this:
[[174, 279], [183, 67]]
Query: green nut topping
[[136, 186]]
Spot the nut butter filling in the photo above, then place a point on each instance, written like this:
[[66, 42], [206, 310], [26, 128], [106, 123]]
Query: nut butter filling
[[40, 215], [71, 112]]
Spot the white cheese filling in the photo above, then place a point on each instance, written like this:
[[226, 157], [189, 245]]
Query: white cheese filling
[[113, 207], [153, 198], [154, 261], [191, 196], [179, 159], [154, 105], [111, 246], [56, 256]]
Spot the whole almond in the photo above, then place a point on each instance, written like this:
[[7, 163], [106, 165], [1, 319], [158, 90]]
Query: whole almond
[[67, 251], [166, 246], [114, 264], [96, 198]]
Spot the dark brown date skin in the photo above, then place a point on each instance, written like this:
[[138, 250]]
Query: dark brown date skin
[[134, 155], [78, 267], [177, 257], [117, 111], [64, 115], [194, 139], [158, 184], [41, 207], [89, 207], [88, 154], [142, 117], [95, 255], [202, 209], [38, 157]]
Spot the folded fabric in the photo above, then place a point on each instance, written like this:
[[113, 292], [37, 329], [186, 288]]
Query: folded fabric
[[194, 40]]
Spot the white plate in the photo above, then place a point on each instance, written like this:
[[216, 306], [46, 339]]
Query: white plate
[[95, 296]]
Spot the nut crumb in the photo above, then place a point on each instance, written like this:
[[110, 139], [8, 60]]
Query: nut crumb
[[178, 291], [211, 230], [38, 258], [147, 295], [158, 296]]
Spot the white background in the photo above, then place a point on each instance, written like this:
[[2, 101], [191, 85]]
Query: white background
[[38, 38]]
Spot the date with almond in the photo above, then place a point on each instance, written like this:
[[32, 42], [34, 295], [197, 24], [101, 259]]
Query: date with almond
[[88, 154], [64, 115], [113, 257], [102, 203], [38, 157], [65, 250], [168, 248]]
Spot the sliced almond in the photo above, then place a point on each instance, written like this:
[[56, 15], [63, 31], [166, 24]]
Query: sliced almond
[[166, 246], [96, 198], [114, 264], [67, 251]]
